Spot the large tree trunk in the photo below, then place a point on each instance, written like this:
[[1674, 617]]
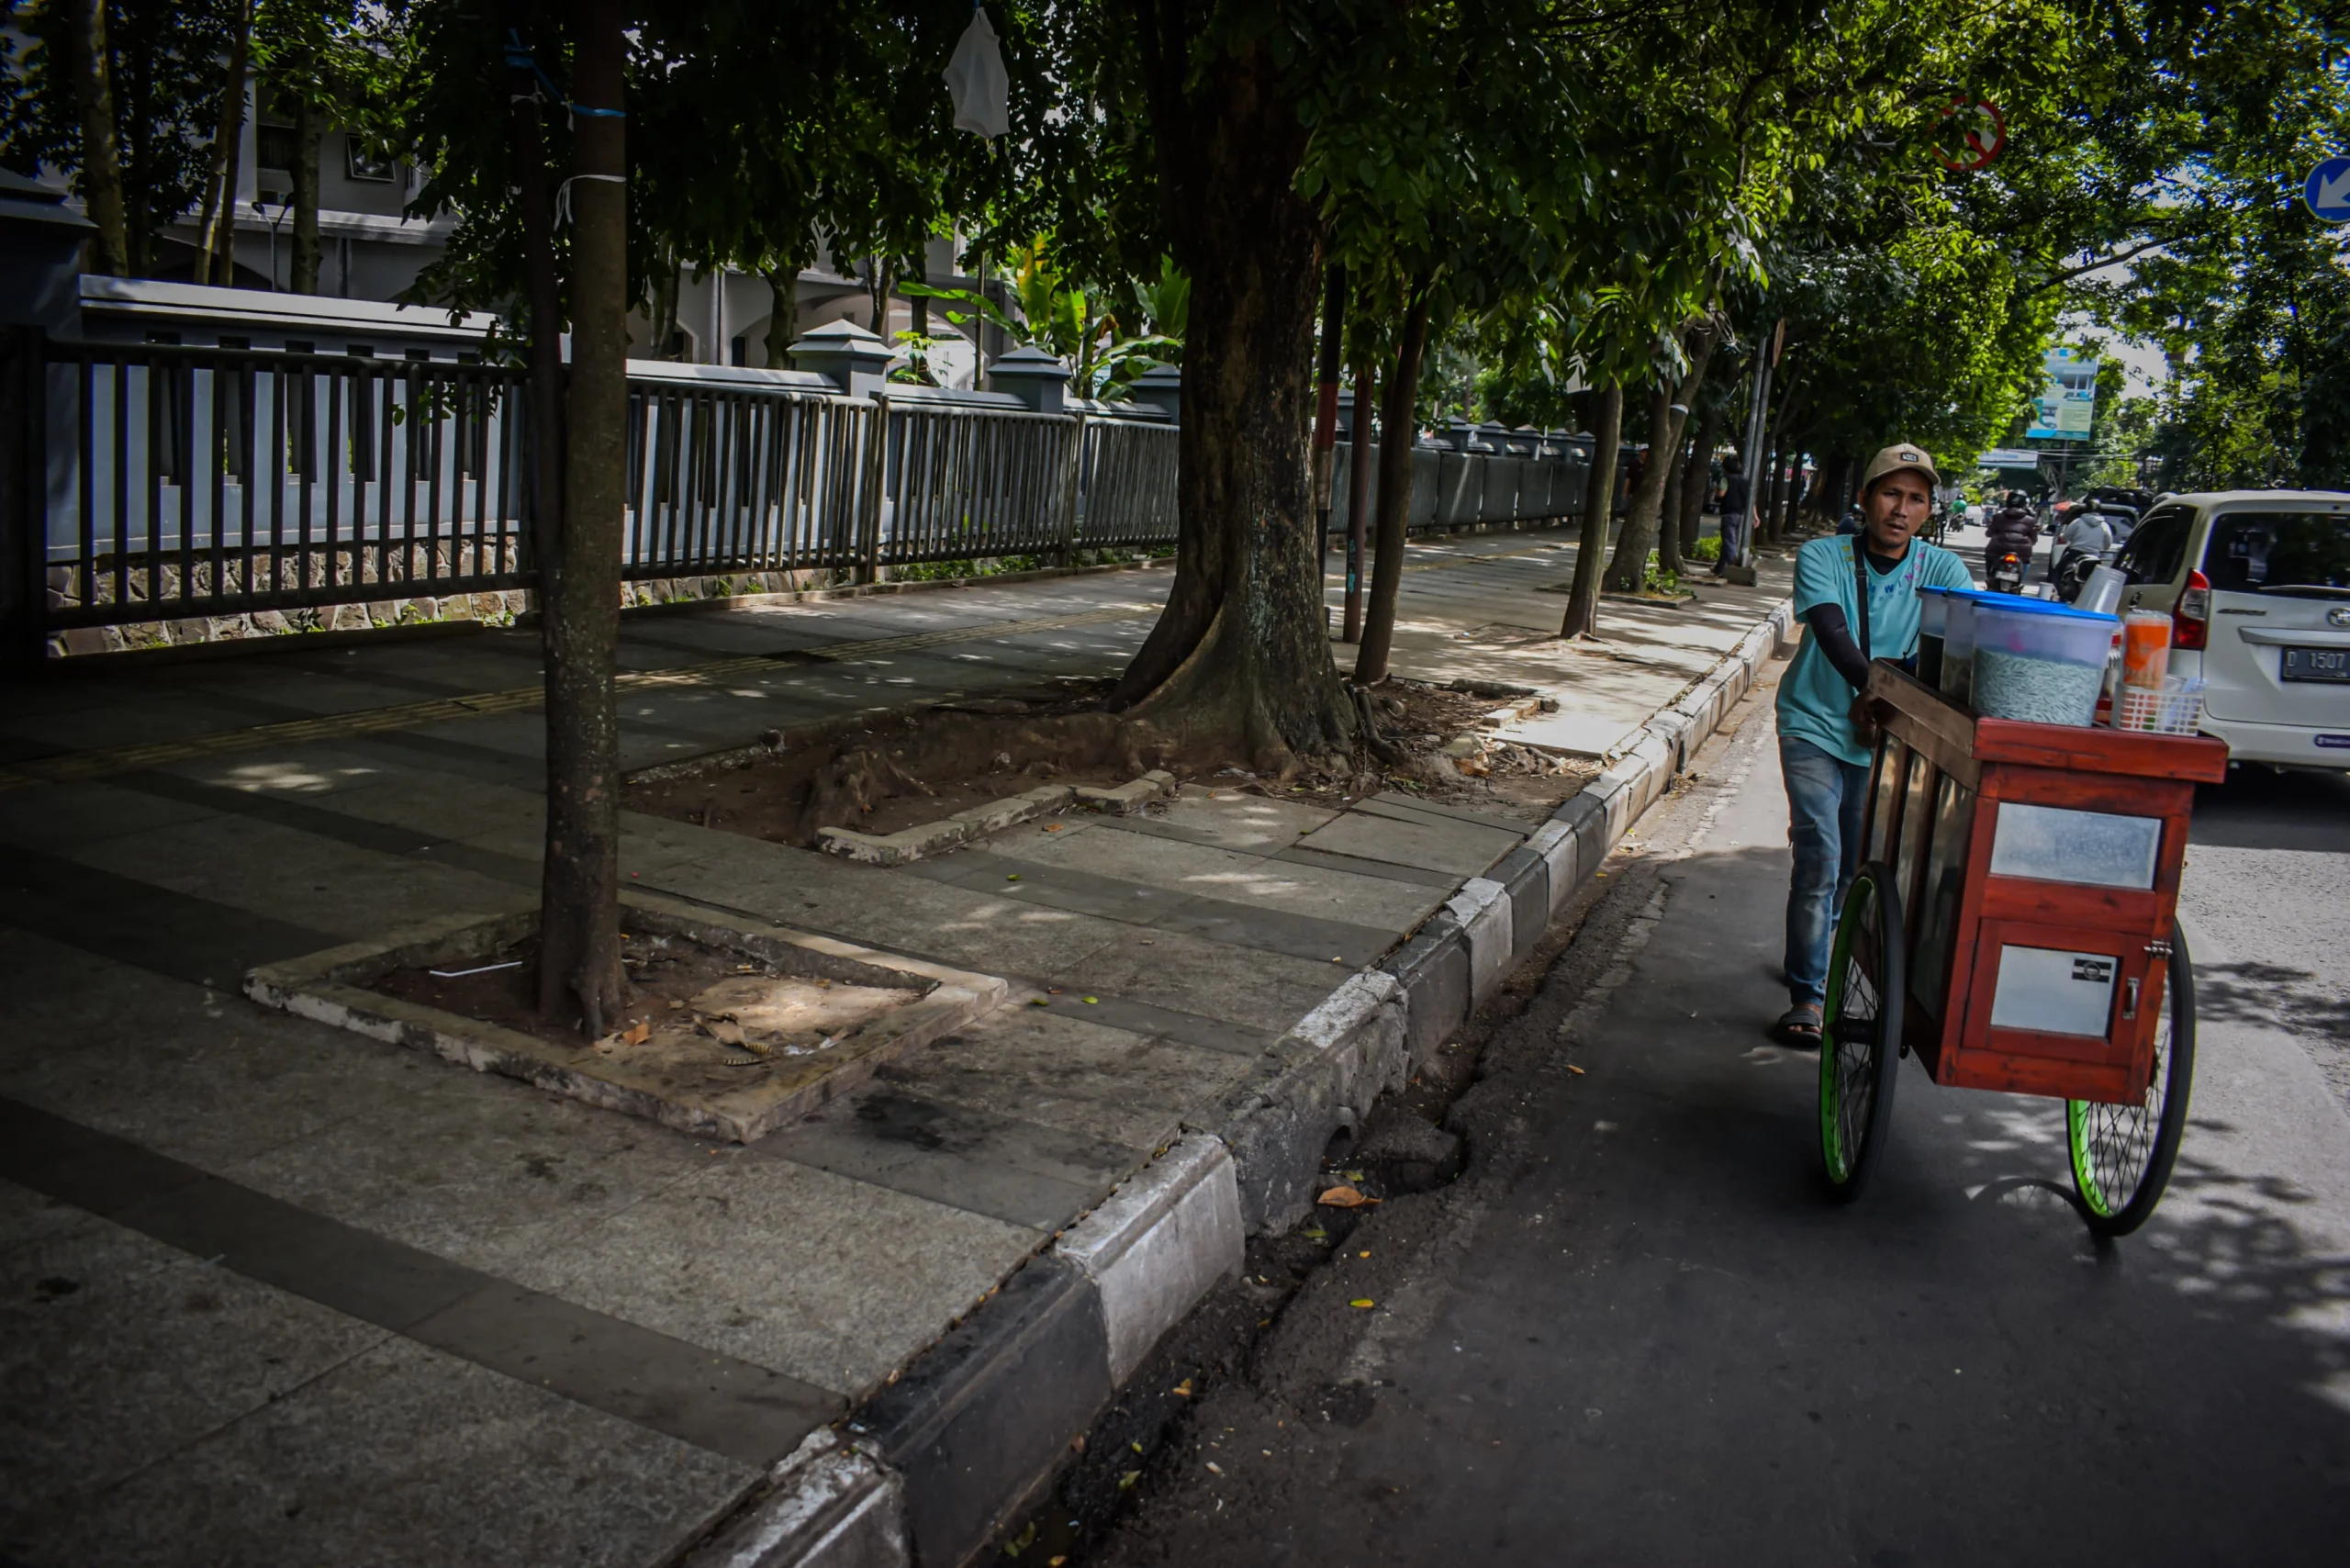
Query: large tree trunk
[[304, 267], [1396, 431], [1699, 480], [579, 911], [93, 69], [1582, 619], [1239, 661], [216, 258], [1668, 410]]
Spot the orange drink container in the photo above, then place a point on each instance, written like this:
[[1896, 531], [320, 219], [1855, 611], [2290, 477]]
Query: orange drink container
[[2145, 649]]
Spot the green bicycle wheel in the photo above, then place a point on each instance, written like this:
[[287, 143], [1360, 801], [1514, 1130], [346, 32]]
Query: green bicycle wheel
[[2122, 1155], [1860, 1046]]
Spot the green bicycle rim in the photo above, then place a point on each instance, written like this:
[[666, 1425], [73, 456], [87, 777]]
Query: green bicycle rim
[[2076, 1117]]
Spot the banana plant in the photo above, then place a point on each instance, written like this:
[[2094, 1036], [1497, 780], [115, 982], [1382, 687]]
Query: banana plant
[[1069, 322]]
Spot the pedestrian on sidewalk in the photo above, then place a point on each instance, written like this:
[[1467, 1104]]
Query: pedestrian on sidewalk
[[1734, 498], [1858, 597]]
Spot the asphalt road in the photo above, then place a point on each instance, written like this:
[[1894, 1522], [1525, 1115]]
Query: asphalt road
[[1635, 1333]]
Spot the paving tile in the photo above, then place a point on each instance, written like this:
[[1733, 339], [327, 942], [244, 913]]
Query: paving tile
[[832, 1280], [1237, 879], [891, 1135], [1462, 848], [294, 876], [1172, 968], [97, 1322], [402, 1456], [57, 816], [1057, 1067], [474, 1168]]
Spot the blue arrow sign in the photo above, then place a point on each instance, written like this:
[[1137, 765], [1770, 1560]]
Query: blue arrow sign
[[2327, 190]]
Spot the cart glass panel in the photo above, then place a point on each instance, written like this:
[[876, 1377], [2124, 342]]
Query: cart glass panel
[[2055, 843], [1890, 755], [2050, 991], [1914, 826], [1945, 881]]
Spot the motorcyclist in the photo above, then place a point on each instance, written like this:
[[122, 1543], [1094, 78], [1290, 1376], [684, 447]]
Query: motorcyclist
[[2084, 531], [2011, 529]]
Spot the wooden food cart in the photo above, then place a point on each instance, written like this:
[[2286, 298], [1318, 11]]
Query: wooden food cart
[[2014, 924]]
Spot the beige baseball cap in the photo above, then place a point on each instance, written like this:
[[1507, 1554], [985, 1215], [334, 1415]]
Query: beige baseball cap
[[1900, 455]]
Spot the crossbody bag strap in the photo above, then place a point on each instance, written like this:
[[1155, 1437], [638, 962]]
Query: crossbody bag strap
[[1860, 600]]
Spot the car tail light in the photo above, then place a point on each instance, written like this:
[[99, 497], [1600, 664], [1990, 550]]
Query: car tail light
[[2191, 618]]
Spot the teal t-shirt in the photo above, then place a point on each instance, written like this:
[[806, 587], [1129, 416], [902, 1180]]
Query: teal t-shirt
[[1815, 701]]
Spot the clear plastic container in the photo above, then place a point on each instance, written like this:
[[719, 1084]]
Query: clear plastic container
[[1933, 615], [2101, 595], [1958, 644], [2041, 663]]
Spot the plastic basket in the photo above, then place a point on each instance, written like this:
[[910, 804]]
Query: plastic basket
[[2174, 709]]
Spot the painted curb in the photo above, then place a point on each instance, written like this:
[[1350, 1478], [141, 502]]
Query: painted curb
[[827, 1505], [1320, 1078], [1159, 1244]]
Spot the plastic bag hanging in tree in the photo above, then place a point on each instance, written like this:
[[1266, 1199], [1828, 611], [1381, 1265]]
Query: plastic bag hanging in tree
[[977, 81]]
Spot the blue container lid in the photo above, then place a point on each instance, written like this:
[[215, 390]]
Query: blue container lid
[[2014, 602]]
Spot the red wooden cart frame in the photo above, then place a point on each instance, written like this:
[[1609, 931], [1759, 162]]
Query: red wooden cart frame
[[1937, 769]]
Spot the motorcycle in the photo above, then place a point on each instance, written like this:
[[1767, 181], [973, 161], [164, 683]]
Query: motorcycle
[[2006, 573], [2071, 573]]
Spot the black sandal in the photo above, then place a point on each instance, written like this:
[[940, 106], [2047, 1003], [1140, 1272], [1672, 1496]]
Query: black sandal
[[1798, 1027]]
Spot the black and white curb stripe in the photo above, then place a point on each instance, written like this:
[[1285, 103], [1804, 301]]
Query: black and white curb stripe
[[937, 1463]]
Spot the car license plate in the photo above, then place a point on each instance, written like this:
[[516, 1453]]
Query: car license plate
[[2316, 664]]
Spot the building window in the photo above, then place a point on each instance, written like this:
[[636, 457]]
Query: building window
[[368, 167]]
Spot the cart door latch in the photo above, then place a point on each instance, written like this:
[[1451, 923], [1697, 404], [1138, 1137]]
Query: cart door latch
[[2158, 948], [2130, 1001]]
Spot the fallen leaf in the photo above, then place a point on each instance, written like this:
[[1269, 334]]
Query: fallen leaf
[[642, 1033], [725, 1031], [1039, 1002], [1128, 1479], [1364, 1254], [1093, 1000], [1215, 1467], [1362, 1301], [1576, 1070], [1053, 827], [608, 1044], [1182, 1390], [1342, 1197], [1014, 878], [674, 1004]]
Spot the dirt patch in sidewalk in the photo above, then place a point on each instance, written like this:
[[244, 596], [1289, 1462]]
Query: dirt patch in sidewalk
[[899, 770], [686, 1000]]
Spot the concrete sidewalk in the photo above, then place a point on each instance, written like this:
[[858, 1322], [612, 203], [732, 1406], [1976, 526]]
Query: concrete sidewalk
[[273, 1293]]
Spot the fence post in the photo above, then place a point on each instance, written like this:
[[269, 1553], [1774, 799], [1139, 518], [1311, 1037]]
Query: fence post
[[868, 501], [1073, 476], [24, 494]]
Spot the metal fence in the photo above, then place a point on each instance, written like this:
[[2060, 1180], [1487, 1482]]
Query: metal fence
[[185, 484], [205, 482]]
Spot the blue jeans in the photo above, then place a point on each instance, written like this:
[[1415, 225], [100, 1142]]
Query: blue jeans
[[1734, 530], [1825, 796]]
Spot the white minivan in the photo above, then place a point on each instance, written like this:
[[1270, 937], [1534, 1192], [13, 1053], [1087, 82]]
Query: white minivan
[[2258, 586]]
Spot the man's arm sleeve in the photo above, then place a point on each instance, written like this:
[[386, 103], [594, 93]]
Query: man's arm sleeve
[[1835, 637], [1819, 572]]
